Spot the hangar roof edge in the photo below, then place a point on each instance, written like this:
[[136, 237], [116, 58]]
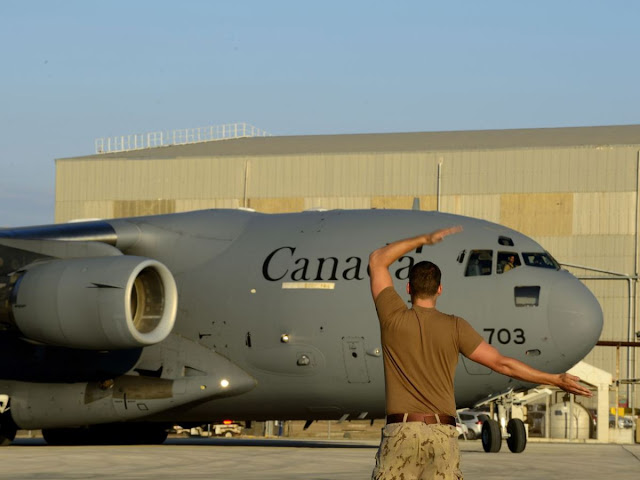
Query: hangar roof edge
[[392, 142]]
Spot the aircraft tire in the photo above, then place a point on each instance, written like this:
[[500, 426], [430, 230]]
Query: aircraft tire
[[491, 436], [152, 435], [517, 439], [128, 434], [8, 430], [66, 436], [108, 434], [6, 437]]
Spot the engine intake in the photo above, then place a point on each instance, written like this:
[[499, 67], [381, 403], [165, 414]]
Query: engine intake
[[101, 303]]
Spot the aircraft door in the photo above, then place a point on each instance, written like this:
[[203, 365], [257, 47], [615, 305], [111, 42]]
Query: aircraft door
[[354, 360]]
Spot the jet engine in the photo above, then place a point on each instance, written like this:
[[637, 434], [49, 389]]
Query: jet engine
[[99, 303]]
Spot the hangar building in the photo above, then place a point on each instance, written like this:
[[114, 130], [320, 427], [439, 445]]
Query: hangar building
[[574, 190]]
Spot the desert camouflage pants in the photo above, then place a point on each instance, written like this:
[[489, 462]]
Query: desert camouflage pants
[[414, 450]]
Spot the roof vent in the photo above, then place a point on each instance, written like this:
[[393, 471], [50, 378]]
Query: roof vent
[[506, 241]]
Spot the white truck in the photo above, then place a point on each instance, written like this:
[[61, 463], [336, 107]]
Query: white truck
[[225, 429]]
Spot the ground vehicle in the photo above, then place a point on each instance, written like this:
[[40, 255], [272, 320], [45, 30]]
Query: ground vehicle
[[623, 422], [473, 420], [463, 431], [225, 429]]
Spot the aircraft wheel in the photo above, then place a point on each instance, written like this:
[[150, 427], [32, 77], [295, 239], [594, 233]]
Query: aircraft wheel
[[491, 436], [128, 434], [153, 435], [8, 430], [66, 436], [7, 435], [108, 434], [517, 438]]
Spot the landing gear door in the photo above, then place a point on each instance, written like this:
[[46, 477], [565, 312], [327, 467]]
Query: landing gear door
[[354, 359]]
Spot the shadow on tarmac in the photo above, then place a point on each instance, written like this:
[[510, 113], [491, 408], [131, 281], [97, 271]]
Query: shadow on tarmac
[[267, 442], [230, 442]]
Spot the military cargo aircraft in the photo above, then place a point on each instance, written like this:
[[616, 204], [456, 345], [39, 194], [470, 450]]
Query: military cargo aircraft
[[114, 330]]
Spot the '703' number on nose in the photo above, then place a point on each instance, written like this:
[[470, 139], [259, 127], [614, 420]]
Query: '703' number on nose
[[505, 336]]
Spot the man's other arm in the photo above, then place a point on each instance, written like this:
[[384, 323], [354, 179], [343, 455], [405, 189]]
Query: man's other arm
[[488, 356], [382, 258]]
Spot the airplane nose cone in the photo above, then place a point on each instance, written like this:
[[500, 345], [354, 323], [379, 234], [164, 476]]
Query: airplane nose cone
[[575, 318]]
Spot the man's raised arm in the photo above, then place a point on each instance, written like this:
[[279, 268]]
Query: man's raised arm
[[382, 258], [488, 356]]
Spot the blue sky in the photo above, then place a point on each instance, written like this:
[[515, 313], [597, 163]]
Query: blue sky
[[73, 71]]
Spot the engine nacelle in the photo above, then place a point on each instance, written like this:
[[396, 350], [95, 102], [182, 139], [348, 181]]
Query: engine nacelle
[[100, 303]]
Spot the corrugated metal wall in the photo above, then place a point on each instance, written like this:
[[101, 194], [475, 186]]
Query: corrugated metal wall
[[579, 202]]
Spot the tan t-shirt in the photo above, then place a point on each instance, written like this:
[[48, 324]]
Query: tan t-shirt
[[421, 348]]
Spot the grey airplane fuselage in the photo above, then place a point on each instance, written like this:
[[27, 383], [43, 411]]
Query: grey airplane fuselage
[[284, 299]]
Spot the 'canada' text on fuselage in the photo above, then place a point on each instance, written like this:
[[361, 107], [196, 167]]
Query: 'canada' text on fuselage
[[277, 266]]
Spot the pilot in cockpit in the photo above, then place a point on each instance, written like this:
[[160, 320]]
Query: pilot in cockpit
[[510, 265], [507, 261]]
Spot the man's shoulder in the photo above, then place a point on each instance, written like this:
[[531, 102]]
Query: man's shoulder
[[389, 294], [441, 314], [453, 321], [456, 319], [389, 303]]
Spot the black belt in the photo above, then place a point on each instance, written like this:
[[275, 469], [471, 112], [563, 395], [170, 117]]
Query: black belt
[[428, 418]]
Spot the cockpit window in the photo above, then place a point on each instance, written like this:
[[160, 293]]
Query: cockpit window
[[540, 260], [479, 263], [507, 261]]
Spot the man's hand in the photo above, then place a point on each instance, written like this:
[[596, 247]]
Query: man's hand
[[438, 235], [382, 258], [569, 383], [489, 356]]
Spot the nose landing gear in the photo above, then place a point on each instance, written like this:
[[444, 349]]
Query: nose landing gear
[[517, 435], [492, 436]]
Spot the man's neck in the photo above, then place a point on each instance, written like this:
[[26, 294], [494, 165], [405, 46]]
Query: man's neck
[[424, 302]]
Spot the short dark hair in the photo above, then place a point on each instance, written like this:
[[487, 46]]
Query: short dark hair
[[424, 279]]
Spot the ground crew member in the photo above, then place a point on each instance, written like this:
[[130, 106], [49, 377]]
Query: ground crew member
[[421, 348]]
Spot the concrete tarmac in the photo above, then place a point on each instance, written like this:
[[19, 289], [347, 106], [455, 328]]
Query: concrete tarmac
[[270, 459]]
